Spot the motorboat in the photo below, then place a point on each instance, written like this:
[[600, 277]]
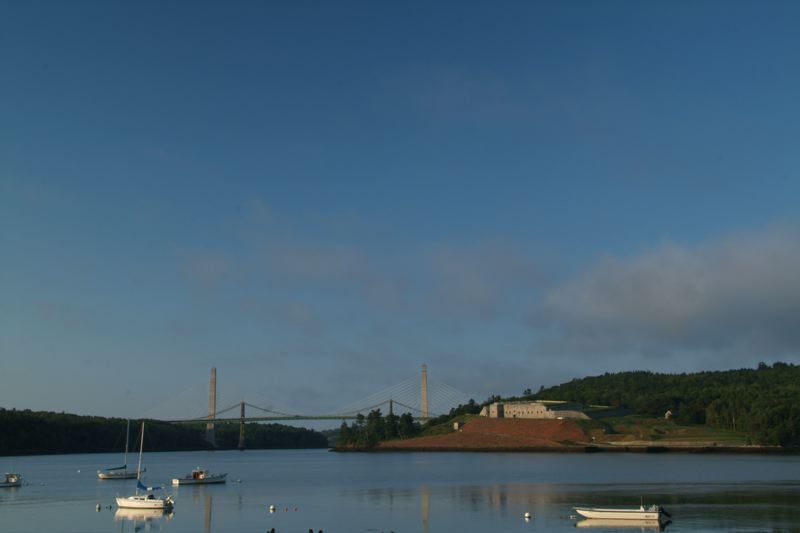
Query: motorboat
[[145, 500], [652, 512], [200, 476], [11, 480]]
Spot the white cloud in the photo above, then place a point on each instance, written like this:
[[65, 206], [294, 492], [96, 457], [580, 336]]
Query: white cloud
[[738, 298]]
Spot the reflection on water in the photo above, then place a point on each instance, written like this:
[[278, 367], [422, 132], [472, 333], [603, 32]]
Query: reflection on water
[[425, 508], [606, 523], [207, 514], [141, 519], [428, 493], [141, 515]]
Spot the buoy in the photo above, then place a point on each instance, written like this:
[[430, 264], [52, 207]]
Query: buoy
[[98, 507], [271, 508], [527, 516]]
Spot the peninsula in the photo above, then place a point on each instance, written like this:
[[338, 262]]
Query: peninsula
[[742, 410]]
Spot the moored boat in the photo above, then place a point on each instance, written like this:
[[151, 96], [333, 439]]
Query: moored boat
[[11, 480], [120, 472], [146, 500], [200, 477], [652, 512]]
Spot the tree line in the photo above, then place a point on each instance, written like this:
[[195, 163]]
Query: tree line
[[763, 402], [24, 432], [368, 431]]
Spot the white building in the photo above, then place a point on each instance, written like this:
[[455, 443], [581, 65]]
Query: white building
[[540, 410]]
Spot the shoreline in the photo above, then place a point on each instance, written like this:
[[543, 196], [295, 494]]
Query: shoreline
[[716, 450]]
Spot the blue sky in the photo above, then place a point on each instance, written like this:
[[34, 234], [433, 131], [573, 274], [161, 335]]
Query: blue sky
[[318, 197]]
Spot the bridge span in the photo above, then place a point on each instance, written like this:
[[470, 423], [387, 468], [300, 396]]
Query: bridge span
[[443, 395]]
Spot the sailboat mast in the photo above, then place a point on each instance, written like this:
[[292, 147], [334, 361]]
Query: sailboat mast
[[141, 447], [127, 437]]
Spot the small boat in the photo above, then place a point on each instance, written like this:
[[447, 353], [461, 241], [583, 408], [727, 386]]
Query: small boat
[[11, 480], [652, 512], [146, 500], [200, 477], [120, 472]]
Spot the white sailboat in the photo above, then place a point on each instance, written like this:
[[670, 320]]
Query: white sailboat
[[145, 500], [120, 472]]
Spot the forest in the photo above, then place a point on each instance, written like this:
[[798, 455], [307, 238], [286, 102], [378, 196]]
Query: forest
[[763, 402], [368, 431], [25, 432]]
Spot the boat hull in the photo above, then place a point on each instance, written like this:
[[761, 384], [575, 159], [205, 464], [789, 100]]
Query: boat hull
[[11, 480], [619, 514], [113, 474], [607, 523], [208, 480], [142, 502]]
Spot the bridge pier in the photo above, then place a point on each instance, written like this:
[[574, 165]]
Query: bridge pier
[[212, 408], [241, 427], [423, 400]]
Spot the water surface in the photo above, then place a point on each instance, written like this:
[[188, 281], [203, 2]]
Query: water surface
[[407, 492]]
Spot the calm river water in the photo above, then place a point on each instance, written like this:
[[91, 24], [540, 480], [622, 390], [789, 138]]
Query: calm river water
[[408, 492]]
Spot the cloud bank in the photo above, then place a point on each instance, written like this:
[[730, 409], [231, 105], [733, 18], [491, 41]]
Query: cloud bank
[[735, 300]]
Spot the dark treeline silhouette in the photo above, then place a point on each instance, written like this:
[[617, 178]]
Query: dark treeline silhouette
[[469, 408], [24, 432], [764, 402], [368, 431], [270, 436]]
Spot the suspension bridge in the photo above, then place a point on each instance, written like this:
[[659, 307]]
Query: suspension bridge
[[422, 398]]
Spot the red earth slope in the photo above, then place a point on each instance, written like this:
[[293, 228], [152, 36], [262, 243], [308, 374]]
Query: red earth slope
[[498, 434]]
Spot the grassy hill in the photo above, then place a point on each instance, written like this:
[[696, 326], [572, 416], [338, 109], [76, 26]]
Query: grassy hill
[[761, 404]]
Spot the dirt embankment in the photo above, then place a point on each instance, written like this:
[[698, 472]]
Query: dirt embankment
[[498, 434]]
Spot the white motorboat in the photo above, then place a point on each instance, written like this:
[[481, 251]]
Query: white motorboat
[[11, 480], [200, 477], [146, 500], [652, 512], [120, 472]]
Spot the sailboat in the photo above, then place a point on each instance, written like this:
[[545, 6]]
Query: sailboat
[[120, 472], [145, 500]]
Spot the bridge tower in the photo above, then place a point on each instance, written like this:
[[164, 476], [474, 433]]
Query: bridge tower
[[241, 427], [212, 407], [423, 401]]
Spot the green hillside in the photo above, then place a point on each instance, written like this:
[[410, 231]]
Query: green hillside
[[761, 403]]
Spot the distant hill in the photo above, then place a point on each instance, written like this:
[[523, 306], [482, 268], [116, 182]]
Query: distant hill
[[763, 403]]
